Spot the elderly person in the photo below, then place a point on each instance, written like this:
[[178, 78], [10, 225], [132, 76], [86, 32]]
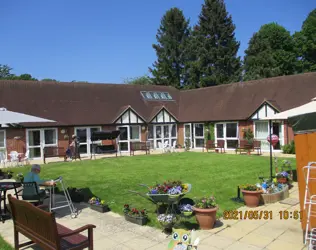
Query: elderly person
[[29, 193]]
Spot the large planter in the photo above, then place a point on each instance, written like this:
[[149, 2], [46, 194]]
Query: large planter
[[98, 208], [251, 198], [136, 220], [205, 217], [275, 197], [76, 195]]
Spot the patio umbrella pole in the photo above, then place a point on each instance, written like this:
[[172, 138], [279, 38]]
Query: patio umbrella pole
[[270, 125]]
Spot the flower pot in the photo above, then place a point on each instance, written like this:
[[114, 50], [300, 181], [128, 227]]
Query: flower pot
[[187, 213], [205, 217], [136, 220], [98, 208], [251, 198], [282, 180]]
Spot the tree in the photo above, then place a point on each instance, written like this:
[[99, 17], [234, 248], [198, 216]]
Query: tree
[[5, 72], [142, 80], [26, 77], [213, 48], [49, 80], [305, 44], [172, 36], [270, 53]]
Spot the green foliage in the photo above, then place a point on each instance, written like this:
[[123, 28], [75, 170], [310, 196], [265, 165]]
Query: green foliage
[[248, 135], [49, 80], [289, 148], [249, 187], [206, 202], [209, 133], [142, 80], [5, 74], [212, 49], [172, 37], [270, 53], [187, 144], [305, 44]]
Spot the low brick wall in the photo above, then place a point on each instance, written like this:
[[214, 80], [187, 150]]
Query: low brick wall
[[272, 198]]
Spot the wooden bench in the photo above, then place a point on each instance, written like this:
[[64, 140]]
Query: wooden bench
[[210, 144], [54, 152], [41, 228], [139, 146], [244, 145]]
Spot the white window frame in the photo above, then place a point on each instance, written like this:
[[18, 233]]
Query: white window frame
[[42, 140], [129, 140], [270, 131], [4, 148], [163, 139], [225, 138], [184, 135], [198, 137], [88, 140]]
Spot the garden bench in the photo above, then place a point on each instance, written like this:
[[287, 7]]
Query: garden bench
[[54, 152], [244, 145], [139, 146], [210, 144], [41, 228]]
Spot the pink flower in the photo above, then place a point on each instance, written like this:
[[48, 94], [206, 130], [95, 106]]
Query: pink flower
[[203, 201]]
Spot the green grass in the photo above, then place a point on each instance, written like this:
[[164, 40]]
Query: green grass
[[111, 178], [4, 245]]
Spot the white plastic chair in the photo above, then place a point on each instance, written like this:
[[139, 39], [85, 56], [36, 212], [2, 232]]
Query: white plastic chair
[[14, 157], [160, 146], [173, 147], [166, 146], [26, 157]]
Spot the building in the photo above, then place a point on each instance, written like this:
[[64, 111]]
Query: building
[[153, 113]]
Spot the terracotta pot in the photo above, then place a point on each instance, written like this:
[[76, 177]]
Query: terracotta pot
[[282, 180], [251, 198], [205, 217]]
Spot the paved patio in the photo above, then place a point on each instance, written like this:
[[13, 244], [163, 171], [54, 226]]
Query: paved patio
[[114, 233]]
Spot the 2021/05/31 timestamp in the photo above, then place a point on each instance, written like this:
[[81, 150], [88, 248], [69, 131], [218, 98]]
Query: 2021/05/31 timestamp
[[261, 215]]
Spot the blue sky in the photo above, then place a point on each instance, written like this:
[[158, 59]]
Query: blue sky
[[109, 40]]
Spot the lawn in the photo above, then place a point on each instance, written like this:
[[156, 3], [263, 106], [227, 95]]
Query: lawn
[[209, 174], [4, 245]]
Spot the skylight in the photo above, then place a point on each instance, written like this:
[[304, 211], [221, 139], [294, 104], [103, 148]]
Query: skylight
[[155, 95]]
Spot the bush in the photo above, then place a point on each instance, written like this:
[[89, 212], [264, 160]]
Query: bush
[[289, 148]]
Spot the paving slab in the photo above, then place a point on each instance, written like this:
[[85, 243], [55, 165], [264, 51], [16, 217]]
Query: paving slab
[[280, 244], [256, 240], [242, 246], [218, 241]]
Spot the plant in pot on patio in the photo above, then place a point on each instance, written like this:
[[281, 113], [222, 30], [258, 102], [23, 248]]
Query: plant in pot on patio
[[205, 212], [20, 177], [186, 210], [252, 194], [134, 215], [99, 205], [283, 177], [76, 194]]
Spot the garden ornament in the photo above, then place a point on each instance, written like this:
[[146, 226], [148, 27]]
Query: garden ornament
[[183, 240]]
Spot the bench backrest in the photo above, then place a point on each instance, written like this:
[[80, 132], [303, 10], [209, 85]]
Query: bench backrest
[[257, 144], [220, 143], [36, 224]]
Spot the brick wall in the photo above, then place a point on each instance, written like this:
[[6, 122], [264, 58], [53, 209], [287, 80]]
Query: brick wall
[[18, 144], [288, 133], [180, 134], [244, 125]]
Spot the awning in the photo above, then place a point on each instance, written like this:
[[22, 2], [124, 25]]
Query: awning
[[10, 117], [105, 135], [301, 123], [301, 110]]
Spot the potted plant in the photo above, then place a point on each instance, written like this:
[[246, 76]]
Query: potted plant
[[283, 177], [248, 136], [186, 210], [252, 194], [134, 215], [167, 220], [20, 177], [205, 212], [7, 175], [99, 205]]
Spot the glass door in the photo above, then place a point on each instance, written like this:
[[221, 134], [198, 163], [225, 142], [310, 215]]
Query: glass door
[[123, 138], [82, 134], [198, 135], [166, 134], [158, 133], [34, 143], [188, 135]]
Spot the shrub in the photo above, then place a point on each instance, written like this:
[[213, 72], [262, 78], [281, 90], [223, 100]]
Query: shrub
[[289, 148]]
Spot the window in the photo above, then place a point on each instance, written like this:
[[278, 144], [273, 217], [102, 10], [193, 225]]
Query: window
[[150, 132], [150, 95], [199, 135], [228, 132], [50, 136], [134, 132], [2, 141], [262, 130]]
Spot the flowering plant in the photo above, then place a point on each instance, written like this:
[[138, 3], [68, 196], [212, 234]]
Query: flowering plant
[[186, 208], [269, 187], [250, 187], [169, 187], [166, 218], [97, 201], [20, 177], [206, 202], [134, 212]]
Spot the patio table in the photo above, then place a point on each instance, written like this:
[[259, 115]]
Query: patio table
[[5, 185]]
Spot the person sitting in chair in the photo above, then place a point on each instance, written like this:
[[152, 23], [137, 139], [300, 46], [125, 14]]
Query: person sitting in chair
[[29, 192]]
